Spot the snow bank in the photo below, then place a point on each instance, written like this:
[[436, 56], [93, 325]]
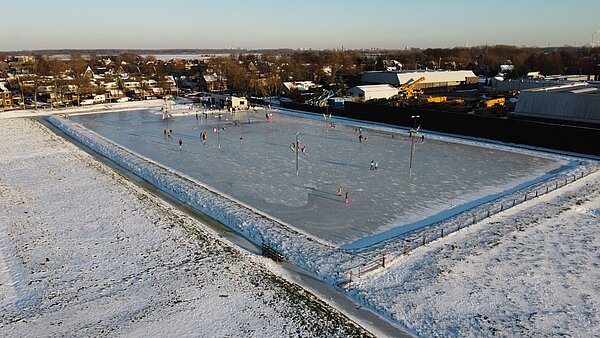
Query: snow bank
[[256, 227]]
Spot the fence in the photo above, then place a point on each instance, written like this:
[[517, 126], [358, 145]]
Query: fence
[[443, 228], [269, 252]]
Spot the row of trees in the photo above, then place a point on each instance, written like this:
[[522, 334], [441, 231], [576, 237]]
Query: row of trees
[[339, 67], [262, 73]]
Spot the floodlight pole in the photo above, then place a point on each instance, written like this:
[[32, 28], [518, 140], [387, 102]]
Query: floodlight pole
[[413, 133], [296, 149]]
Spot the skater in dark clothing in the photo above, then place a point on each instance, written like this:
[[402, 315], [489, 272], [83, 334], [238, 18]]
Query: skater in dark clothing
[[180, 143], [372, 165], [360, 137]]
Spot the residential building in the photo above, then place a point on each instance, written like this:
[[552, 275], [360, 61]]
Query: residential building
[[5, 96]]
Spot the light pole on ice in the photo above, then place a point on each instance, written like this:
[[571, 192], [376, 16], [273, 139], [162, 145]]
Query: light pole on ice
[[413, 134], [296, 146], [218, 131]]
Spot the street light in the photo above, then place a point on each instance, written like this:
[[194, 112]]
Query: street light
[[413, 132], [296, 150], [218, 131]]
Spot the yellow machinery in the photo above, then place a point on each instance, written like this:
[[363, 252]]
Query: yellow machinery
[[436, 99], [408, 90], [493, 102]]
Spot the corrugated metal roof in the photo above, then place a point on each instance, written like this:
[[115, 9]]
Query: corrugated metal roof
[[431, 76], [575, 102]]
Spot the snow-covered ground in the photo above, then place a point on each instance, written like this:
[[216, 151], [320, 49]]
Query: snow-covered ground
[[85, 252], [530, 270]]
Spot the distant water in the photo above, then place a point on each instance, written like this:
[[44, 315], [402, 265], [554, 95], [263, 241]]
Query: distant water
[[167, 57]]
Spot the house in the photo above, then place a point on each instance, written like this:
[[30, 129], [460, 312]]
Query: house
[[214, 82], [99, 98], [149, 83], [110, 85], [372, 92], [5, 96], [113, 94], [132, 84]]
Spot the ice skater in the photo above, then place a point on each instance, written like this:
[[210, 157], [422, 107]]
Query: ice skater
[[360, 137], [180, 143], [376, 165], [372, 165], [339, 190], [346, 197]]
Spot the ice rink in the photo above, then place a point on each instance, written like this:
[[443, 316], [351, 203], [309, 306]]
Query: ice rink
[[256, 165]]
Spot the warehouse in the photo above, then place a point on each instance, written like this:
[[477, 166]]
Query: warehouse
[[372, 92], [578, 102], [435, 80]]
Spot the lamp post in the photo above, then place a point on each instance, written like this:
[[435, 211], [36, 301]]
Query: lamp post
[[296, 150], [413, 134], [218, 131]]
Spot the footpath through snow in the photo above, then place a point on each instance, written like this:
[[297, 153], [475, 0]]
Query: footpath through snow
[[85, 252]]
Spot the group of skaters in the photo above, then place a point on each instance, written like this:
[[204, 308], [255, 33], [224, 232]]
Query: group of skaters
[[301, 149], [340, 190]]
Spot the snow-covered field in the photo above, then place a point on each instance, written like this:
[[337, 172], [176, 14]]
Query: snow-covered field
[[84, 252], [531, 270]]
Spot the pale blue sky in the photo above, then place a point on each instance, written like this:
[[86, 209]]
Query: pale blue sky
[[317, 24]]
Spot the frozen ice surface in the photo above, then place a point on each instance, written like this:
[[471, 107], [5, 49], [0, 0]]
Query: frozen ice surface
[[256, 165]]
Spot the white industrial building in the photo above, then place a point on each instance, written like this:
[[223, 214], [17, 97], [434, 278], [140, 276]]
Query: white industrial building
[[434, 79], [578, 102], [372, 92]]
